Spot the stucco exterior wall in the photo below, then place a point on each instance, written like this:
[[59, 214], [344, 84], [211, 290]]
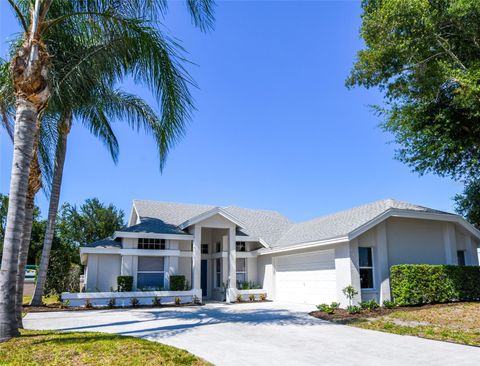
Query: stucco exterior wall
[[102, 272], [415, 241]]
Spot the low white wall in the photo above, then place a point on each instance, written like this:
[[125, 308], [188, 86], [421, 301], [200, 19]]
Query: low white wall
[[255, 292], [125, 298]]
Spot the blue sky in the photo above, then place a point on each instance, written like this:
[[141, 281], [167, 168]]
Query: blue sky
[[275, 127]]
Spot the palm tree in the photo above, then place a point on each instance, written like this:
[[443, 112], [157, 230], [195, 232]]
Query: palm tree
[[32, 78]]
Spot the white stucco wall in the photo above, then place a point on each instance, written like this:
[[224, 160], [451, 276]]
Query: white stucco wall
[[102, 272]]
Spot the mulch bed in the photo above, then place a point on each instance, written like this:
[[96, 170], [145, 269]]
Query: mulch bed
[[344, 317]]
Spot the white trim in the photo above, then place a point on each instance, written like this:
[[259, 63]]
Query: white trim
[[305, 245], [136, 235], [134, 209], [205, 215], [137, 252]]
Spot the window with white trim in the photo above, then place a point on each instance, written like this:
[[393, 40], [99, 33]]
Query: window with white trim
[[149, 243], [240, 246], [365, 258], [204, 248], [241, 270], [218, 272], [150, 273]]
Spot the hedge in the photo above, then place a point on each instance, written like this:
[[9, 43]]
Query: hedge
[[124, 283], [415, 284], [177, 283]]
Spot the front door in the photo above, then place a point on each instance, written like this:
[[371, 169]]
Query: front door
[[203, 278]]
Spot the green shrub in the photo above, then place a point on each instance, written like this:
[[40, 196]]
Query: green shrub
[[369, 305], [134, 302], [156, 301], [125, 283], [263, 297], [250, 285], [178, 283], [88, 304], [325, 308], [178, 301], [239, 298], [251, 297], [389, 304], [353, 309], [335, 305], [111, 302], [414, 284]]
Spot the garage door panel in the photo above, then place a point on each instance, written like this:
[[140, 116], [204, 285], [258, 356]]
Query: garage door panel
[[306, 278]]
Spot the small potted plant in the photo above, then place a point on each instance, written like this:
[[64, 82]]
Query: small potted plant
[[251, 297]]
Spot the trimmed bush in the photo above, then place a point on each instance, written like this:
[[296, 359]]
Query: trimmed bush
[[369, 305], [177, 283], [389, 304], [415, 284], [124, 283]]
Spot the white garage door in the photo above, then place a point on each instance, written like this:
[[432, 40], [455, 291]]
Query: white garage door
[[306, 278]]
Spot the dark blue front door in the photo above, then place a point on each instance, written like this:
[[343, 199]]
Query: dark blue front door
[[203, 278]]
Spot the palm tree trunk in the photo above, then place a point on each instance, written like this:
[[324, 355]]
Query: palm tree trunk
[[60, 153], [25, 127], [34, 184], [32, 94]]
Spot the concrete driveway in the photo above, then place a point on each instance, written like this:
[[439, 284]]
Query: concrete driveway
[[260, 334]]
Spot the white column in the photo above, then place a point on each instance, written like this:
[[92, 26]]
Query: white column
[[232, 266], [471, 252], [126, 268], [450, 243], [383, 270], [346, 271], [196, 258]]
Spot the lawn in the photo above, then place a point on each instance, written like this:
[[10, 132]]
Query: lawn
[[47, 300], [457, 322], [79, 349]]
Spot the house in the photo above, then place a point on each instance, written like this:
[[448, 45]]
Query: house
[[307, 262]]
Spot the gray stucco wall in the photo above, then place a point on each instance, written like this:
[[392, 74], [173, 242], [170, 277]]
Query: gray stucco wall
[[415, 241]]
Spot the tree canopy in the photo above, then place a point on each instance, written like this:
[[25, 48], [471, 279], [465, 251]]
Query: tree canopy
[[90, 222], [425, 56]]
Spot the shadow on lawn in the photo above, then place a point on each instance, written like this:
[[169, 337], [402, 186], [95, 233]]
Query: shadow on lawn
[[183, 321]]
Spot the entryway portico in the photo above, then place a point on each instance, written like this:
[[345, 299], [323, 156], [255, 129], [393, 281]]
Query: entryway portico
[[214, 254]]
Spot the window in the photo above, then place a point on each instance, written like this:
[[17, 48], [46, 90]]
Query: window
[[204, 248], [241, 270], [150, 274], [366, 268], [144, 243], [218, 247], [240, 247], [218, 272], [461, 257]]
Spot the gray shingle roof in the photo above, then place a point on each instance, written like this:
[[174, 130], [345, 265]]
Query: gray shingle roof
[[272, 227], [342, 223], [105, 243]]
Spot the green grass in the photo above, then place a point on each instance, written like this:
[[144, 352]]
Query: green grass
[[92, 349], [458, 322], [47, 300]]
